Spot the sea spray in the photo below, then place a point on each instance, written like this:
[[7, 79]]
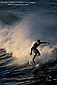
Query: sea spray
[[17, 41]]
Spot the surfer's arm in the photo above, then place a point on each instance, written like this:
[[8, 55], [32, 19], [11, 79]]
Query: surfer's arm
[[45, 42], [31, 52]]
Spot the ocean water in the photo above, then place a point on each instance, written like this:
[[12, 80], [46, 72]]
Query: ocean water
[[21, 26]]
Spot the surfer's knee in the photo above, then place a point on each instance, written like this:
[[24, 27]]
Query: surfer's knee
[[38, 54]]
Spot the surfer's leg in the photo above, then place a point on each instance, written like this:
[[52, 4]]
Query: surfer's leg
[[34, 57], [38, 53], [35, 51]]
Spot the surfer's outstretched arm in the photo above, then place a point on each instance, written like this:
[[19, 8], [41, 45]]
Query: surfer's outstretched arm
[[44, 42]]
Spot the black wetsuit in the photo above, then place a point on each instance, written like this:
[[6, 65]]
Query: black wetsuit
[[34, 49]]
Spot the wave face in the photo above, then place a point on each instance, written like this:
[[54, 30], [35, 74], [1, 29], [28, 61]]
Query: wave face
[[11, 73], [19, 30]]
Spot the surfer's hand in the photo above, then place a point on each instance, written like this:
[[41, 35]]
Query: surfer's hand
[[30, 53], [48, 43]]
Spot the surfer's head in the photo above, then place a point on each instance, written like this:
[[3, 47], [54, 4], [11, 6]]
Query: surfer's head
[[38, 41]]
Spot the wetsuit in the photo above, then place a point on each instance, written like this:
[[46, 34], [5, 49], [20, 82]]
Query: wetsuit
[[34, 49]]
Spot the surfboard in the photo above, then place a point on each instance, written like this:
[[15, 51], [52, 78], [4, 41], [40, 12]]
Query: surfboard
[[34, 64]]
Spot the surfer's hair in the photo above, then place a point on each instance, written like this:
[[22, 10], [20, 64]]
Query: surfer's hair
[[38, 40]]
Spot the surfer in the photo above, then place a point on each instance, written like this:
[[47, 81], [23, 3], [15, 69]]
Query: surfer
[[35, 50]]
